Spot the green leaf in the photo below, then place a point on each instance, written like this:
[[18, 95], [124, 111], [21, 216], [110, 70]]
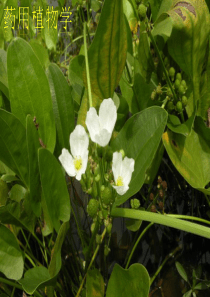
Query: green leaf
[[175, 125], [202, 285], [3, 192], [190, 156], [153, 168], [31, 95], [50, 36], [75, 77], [107, 53], [188, 294], [181, 271], [33, 145], [34, 279], [144, 55], [11, 264], [63, 107], [131, 16], [128, 282], [41, 52], [11, 214], [163, 27], [17, 193], [54, 188], [132, 224], [188, 41], [13, 150], [94, 284], [3, 73], [164, 220], [140, 138], [56, 261]]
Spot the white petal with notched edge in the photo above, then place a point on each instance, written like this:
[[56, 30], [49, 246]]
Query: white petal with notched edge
[[122, 171], [101, 126], [76, 164]]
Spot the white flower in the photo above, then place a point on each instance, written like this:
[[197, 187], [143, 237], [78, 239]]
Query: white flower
[[122, 171], [101, 127], [75, 163]]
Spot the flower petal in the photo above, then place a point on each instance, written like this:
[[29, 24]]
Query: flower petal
[[121, 190], [103, 137], [79, 141], [127, 169], [116, 164], [92, 123], [107, 115], [67, 162]]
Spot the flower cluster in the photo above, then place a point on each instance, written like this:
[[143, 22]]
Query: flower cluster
[[100, 128]]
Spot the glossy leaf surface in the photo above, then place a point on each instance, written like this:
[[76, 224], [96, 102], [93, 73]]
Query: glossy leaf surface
[[11, 264], [107, 53], [63, 107], [140, 138], [128, 282], [31, 95], [13, 149], [54, 188]]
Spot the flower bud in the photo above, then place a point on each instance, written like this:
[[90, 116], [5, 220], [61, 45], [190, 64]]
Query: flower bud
[[135, 203], [181, 90], [97, 178], [159, 179], [142, 10], [159, 90], [161, 205], [92, 207], [179, 106], [102, 188], [171, 72], [179, 76], [97, 170], [106, 196], [183, 83], [177, 83], [184, 101], [100, 215]]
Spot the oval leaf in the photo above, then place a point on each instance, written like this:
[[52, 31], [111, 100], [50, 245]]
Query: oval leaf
[[54, 188], [128, 282], [107, 53], [31, 95], [63, 107], [13, 150], [11, 263], [140, 138]]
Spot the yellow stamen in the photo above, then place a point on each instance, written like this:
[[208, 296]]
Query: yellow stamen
[[119, 181], [78, 163]]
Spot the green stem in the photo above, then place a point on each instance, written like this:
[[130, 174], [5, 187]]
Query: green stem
[[161, 60], [188, 218], [13, 284], [87, 67], [164, 102], [91, 244], [91, 262], [136, 243], [165, 260], [165, 220]]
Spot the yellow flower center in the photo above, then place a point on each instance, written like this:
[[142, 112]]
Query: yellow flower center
[[119, 181], [78, 163]]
